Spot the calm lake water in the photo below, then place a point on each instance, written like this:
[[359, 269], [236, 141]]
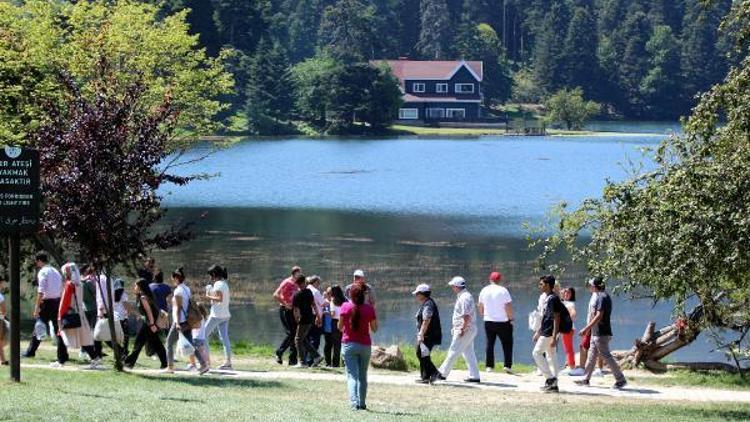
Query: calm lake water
[[406, 210]]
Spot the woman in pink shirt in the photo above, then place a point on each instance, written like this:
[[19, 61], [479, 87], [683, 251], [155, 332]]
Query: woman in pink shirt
[[356, 321]]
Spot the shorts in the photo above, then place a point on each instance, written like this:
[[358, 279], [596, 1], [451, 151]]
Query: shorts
[[586, 341]]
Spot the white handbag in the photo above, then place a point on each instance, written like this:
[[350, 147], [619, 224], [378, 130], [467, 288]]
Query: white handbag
[[102, 333]]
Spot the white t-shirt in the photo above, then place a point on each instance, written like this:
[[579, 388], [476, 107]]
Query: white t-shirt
[[464, 306], [335, 311], [493, 298], [184, 292], [591, 308], [50, 282], [318, 297], [220, 309], [118, 307]]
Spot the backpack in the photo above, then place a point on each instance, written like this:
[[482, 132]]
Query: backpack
[[193, 318]]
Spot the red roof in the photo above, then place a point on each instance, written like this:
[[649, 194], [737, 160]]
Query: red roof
[[432, 69]]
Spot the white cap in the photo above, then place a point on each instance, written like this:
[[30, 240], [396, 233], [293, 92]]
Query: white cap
[[359, 273], [422, 288], [457, 282]]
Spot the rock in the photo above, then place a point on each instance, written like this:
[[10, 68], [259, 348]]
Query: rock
[[388, 358]]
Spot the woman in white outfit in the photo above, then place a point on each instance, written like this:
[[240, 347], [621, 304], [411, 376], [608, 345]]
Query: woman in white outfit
[[218, 293]]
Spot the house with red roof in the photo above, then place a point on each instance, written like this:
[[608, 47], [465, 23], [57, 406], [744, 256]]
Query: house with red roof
[[438, 90]]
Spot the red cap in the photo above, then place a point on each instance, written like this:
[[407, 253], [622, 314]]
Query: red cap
[[495, 276]]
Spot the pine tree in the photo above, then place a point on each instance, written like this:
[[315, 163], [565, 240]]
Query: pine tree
[[435, 33], [660, 87], [304, 22], [269, 90], [633, 62], [549, 64], [239, 23], [348, 31], [581, 65]]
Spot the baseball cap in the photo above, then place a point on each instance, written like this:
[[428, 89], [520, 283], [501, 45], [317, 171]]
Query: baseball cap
[[359, 273], [295, 268], [457, 282], [422, 288], [596, 282], [495, 276]]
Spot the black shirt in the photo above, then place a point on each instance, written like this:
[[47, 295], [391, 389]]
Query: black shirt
[[304, 300], [603, 304], [434, 334], [552, 305]]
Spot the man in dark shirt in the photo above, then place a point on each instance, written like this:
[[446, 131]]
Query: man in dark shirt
[[305, 312], [601, 334], [545, 338]]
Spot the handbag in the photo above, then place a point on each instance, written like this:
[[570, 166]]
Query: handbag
[[71, 319], [102, 333], [162, 320]]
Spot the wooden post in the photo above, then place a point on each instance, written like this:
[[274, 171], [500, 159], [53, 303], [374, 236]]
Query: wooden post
[[15, 306]]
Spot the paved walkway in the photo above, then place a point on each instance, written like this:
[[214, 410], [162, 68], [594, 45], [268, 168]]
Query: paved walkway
[[523, 383]]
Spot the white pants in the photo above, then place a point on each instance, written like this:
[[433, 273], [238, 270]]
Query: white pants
[[461, 345], [548, 367]]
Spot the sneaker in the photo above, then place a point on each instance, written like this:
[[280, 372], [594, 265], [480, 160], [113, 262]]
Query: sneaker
[[95, 364], [565, 371], [26, 355], [204, 370], [226, 367], [56, 364], [583, 383], [598, 372], [190, 367], [166, 371], [475, 380], [440, 377], [279, 358], [552, 388], [489, 369], [538, 372], [577, 372], [508, 371], [5, 363], [316, 361], [299, 365], [421, 381], [619, 385]]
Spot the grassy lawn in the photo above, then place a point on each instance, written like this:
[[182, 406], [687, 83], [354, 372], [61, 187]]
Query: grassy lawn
[[705, 379], [104, 395]]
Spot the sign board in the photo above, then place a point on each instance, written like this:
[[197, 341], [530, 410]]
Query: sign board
[[20, 195]]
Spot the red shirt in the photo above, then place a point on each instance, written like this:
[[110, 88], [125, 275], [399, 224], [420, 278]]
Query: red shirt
[[287, 289], [66, 299], [361, 333]]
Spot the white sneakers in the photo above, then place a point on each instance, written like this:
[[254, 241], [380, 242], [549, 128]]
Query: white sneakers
[[508, 371], [488, 369], [95, 364], [577, 372], [56, 364], [598, 372]]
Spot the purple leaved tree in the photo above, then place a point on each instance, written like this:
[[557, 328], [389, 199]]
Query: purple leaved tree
[[103, 158]]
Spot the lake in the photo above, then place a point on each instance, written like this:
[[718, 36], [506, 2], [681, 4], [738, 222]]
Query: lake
[[407, 211]]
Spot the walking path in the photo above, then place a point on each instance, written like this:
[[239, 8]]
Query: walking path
[[520, 383]]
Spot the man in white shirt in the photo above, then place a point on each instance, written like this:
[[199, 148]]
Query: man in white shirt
[[49, 290], [496, 307], [316, 331], [464, 330]]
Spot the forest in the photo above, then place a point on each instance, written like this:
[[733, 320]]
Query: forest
[[642, 59]]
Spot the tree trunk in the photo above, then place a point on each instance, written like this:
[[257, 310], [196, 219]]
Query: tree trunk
[[654, 345], [111, 319]]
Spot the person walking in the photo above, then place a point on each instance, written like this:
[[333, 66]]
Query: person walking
[[120, 306], [359, 279], [569, 300], [161, 292], [47, 305], [306, 314], [545, 338], [601, 335], [71, 318], [332, 348], [356, 322], [316, 331], [284, 295], [429, 333], [585, 344], [149, 332], [88, 281], [180, 303], [464, 331], [496, 308], [218, 294]]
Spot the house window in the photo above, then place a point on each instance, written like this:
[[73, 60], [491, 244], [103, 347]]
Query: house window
[[418, 87], [442, 88], [464, 88], [408, 114], [435, 113], [455, 113]]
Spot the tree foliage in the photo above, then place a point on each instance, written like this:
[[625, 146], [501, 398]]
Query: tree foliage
[[570, 108], [40, 39], [680, 230]]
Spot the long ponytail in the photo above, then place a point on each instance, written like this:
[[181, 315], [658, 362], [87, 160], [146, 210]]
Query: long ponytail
[[357, 294]]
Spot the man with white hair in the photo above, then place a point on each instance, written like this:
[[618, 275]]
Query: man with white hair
[[464, 330]]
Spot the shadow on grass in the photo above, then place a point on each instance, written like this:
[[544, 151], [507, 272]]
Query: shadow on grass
[[208, 381], [399, 413]]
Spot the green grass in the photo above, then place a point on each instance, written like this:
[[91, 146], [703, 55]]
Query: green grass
[[443, 131], [706, 379], [52, 395]]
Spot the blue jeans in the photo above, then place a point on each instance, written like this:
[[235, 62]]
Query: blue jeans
[[357, 359], [223, 325]]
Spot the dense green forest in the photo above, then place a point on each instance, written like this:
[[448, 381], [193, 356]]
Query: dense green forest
[[640, 58]]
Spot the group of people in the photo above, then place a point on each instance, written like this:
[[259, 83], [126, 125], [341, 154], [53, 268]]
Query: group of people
[[77, 302]]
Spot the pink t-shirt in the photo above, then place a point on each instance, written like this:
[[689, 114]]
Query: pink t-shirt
[[361, 334], [288, 289]]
